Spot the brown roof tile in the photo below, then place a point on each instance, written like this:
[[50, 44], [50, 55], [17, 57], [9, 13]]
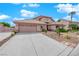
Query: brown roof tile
[[29, 21]]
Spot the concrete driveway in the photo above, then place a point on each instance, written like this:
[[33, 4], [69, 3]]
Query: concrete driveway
[[33, 44]]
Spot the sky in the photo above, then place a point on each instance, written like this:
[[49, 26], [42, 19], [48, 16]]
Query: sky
[[19, 11]]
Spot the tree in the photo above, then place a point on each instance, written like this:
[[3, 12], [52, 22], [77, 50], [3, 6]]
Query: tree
[[73, 26], [59, 20], [71, 14], [5, 24]]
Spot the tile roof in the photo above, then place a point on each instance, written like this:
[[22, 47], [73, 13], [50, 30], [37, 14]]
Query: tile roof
[[57, 23], [34, 20], [40, 17], [29, 21]]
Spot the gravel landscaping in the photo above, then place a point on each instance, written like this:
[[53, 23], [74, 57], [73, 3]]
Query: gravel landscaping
[[70, 39]]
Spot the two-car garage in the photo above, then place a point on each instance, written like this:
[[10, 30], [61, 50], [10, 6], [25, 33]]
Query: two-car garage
[[29, 26]]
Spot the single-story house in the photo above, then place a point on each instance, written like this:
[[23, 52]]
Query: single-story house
[[36, 24]]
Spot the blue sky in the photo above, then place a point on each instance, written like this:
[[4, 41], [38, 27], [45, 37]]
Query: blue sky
[[18, 11]]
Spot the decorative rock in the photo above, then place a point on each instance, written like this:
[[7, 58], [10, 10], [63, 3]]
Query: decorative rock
[[67, 43]]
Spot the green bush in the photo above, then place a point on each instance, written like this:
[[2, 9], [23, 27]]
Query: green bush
[[73, 26], [44, 30], [61, 30]]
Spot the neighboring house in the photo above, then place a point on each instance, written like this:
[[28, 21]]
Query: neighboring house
[[67, 22], [1, 28], [5, 29], [36, 24]]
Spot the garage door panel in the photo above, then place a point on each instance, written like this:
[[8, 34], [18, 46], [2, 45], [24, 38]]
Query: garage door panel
[[27, 29]]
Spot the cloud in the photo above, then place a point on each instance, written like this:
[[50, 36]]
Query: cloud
[[56, 19], [16, 3], [26, 13], [69, 18], [4, 16], [33, 5], [18, 18], [67, 8]]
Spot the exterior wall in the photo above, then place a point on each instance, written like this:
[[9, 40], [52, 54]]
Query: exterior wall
[[40, 29], [52, 27], [44, 27], [65, 22], [1, 28], [17, 27]]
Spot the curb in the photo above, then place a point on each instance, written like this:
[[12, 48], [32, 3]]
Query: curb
[[6, 39]]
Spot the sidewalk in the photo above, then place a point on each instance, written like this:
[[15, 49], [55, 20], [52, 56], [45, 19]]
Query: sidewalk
[[4, 37], [75, 52]]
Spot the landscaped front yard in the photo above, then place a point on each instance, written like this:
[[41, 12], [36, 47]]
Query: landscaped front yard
[[69, 38]]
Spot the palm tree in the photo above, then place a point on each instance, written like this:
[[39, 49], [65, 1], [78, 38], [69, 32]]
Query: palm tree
[[71, 14]]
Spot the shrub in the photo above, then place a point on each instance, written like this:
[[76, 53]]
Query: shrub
[[44, 30], [61, 30], [14, 31], [73, 26]]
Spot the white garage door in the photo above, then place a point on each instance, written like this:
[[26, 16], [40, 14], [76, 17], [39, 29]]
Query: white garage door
[[27, 28]]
